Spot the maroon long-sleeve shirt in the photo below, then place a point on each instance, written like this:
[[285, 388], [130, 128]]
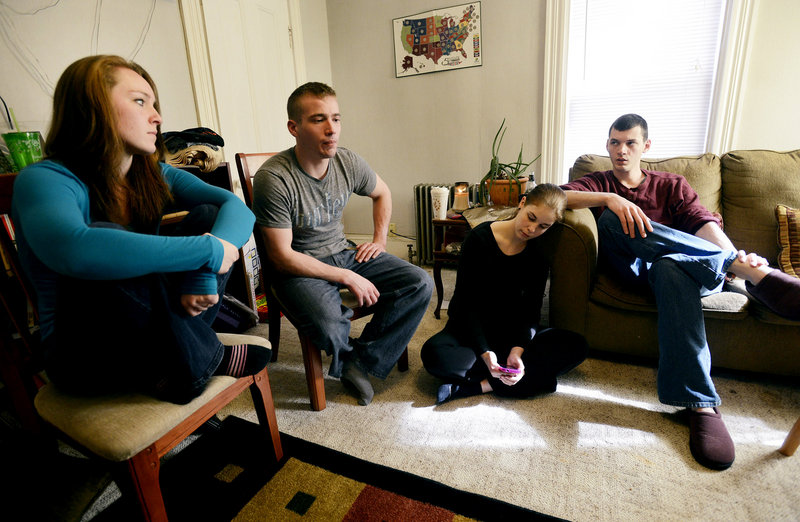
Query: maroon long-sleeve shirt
[[664, 197]]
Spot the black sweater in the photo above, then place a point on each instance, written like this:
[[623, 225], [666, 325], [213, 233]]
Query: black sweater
[[498, 298]]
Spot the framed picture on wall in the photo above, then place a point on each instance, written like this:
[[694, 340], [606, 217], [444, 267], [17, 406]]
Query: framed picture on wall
[[438, 40]]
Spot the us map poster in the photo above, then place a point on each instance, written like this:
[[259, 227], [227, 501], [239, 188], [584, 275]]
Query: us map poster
[[438, 40]]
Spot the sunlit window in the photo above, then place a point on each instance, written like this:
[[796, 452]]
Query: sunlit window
[[656, 58]]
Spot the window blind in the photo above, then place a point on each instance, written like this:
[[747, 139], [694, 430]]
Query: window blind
[[656, 58]]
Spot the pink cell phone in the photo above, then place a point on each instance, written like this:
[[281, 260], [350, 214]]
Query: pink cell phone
[[509, 370]]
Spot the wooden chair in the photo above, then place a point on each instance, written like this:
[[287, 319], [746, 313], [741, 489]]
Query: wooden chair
[[792, 440], [131, 431], [247, 165]]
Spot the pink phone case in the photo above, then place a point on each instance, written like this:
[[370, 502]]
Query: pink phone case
[[509, 370]]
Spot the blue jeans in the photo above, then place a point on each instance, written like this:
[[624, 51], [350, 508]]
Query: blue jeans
[[316, 307], [680, 268], [133, 334]]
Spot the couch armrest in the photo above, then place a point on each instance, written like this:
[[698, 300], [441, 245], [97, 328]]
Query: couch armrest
[[573, 262]]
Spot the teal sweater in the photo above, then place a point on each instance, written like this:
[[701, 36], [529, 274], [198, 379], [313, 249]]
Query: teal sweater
[[51, 216]]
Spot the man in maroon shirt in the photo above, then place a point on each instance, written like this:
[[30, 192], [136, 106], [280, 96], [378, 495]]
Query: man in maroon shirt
[[654, 231]]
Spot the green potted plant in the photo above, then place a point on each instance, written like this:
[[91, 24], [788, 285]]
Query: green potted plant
[[503, 184]]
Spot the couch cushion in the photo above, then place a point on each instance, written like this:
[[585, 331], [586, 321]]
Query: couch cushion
[[753, 183], [788, 239], [702, 172], [610, 292], [755, 308]]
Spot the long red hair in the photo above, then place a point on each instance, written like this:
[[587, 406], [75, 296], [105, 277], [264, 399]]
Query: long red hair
[[83, 135]]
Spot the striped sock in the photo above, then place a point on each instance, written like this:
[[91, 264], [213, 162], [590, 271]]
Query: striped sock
[[243, 359]]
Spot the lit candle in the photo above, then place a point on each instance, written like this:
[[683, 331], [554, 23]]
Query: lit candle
[[461, 196]]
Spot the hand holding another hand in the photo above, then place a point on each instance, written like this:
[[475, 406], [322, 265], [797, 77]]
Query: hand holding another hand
[[752, 259]]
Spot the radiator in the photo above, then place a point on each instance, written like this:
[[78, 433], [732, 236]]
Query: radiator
[[423, 215]]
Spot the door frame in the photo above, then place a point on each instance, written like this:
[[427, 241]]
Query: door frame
[[200, 64]]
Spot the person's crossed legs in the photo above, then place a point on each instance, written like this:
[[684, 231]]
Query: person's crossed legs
[[680, 269]]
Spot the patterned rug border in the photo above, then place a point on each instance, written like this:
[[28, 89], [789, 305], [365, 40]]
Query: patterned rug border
[[196, 472], [409, 485]]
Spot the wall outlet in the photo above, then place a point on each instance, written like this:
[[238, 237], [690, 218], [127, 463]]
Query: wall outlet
[[392, 228]]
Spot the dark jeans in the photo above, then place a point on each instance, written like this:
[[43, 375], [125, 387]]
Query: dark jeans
[[551, 352], [316, 306], [133, 334]]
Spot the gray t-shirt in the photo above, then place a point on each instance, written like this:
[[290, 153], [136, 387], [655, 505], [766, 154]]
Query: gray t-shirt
[[284, 196]]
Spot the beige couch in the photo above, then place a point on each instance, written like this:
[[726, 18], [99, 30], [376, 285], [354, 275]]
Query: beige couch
[[744, 187]]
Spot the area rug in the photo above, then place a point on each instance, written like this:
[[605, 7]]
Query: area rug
[[602, 448], [228, 475], [317, 483]]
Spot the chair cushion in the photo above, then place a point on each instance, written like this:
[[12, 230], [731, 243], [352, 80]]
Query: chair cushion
[[723, 305], [349, 300], [788, 239], [231, 339], [117, 427]]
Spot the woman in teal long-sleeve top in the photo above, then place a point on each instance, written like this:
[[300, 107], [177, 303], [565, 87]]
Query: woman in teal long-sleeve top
[[123, 304]]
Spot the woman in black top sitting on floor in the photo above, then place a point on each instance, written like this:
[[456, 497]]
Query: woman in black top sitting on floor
[[492, 341]]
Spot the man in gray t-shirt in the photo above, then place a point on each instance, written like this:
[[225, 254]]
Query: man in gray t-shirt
[[298, 199], [310, 207]]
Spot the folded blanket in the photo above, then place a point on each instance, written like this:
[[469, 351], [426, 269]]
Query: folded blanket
[[175, 141], [477, 215], [206, 157]]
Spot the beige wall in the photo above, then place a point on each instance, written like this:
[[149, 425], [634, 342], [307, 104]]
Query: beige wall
[[434, 127], [316, 42], [431, 128], [36, 48], [439, 127], [770, 100]]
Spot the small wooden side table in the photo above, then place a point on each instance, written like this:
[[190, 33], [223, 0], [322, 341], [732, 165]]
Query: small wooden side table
[[445, 231]]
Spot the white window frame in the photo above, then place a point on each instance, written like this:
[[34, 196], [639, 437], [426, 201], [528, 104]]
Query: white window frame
[[725, 103]]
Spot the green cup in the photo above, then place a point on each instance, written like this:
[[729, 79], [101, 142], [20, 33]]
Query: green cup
[[25, 148]]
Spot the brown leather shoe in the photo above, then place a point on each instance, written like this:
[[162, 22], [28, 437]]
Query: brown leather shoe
[[709, 440]]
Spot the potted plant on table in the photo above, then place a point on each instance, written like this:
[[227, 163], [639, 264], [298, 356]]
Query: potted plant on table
[[504, 183]]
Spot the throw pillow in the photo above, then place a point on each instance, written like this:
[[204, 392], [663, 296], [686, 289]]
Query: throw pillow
[[788, 239]]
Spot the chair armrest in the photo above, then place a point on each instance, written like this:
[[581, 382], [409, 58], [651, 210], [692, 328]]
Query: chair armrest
[[573, 267]]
